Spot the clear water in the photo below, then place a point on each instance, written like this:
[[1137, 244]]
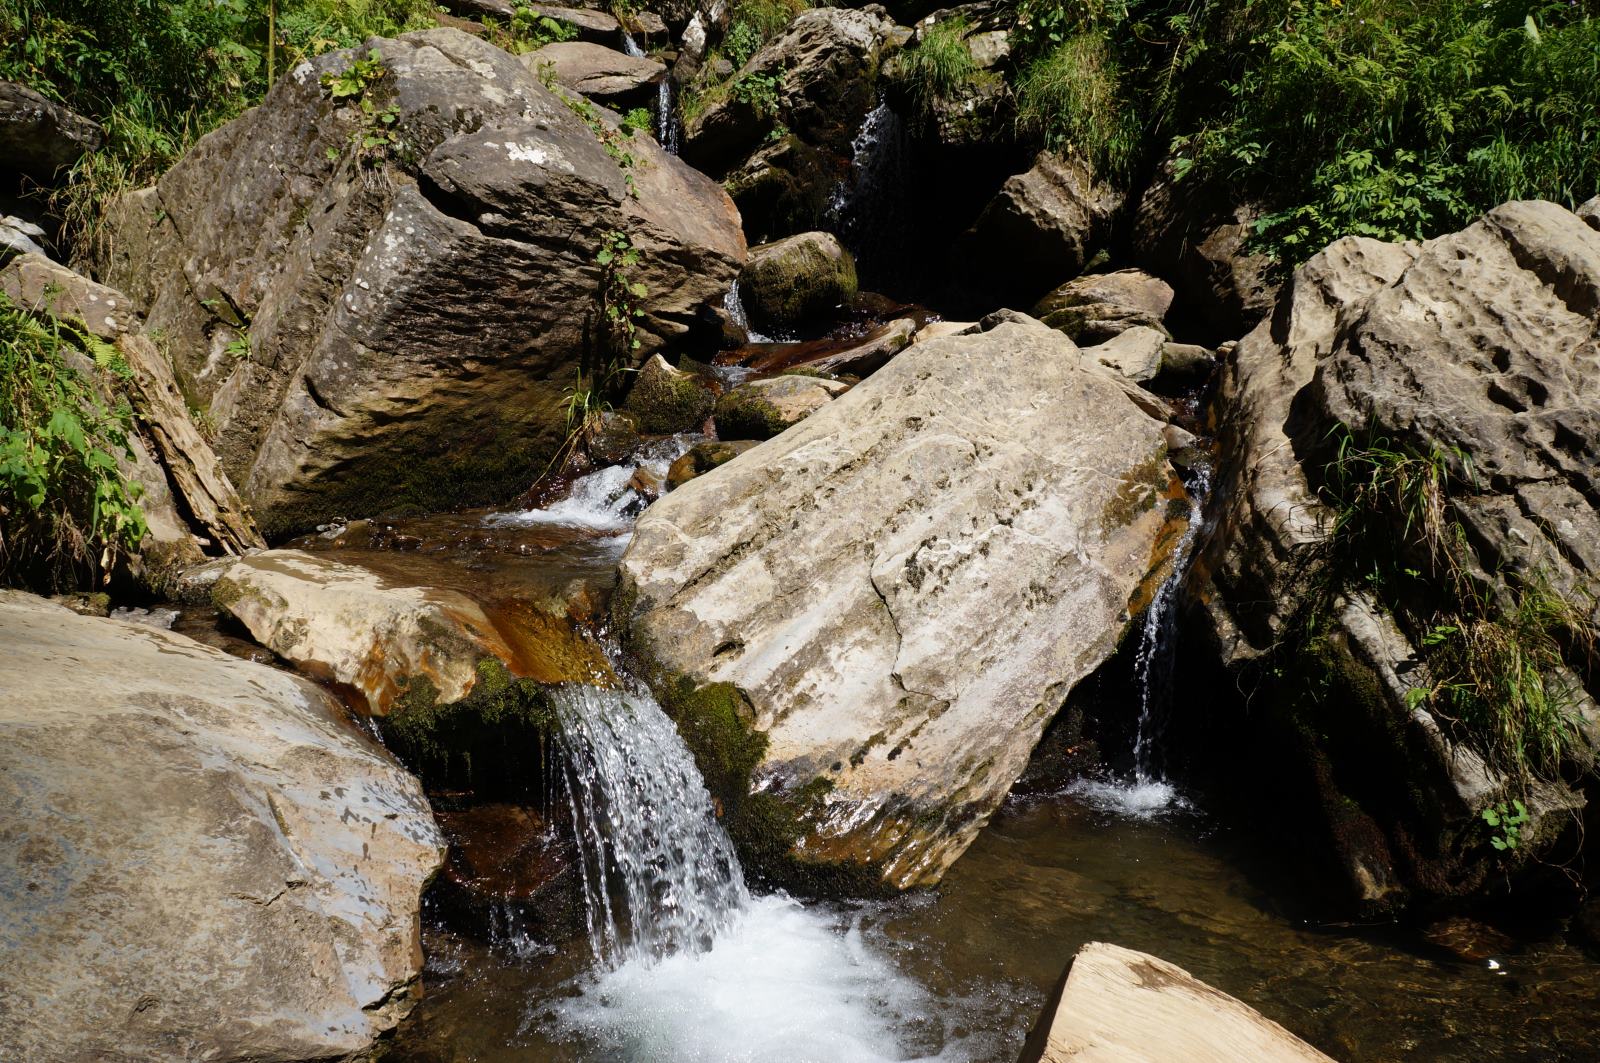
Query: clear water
[[668, 130], [866, 208], [734, 305], [659, 873], [603, 500]]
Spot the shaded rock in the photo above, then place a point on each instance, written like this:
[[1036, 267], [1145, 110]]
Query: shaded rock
[[1194, 236], [1043, 224], [704, 28], [879, 610], [782, 189], [1478, 347], [760, 409], [1136, 353], [603, 74], [789, 281], [703, 457], [825, 65], [18, 236], [85, 603], [1186, 361], [614, 437], [355, 279], [1116, 1005], [1590, 212], [209, 861], [39, 137], [1097, 306], [666, 400], [857, 357]]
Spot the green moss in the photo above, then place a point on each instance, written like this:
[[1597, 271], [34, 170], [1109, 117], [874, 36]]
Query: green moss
[[669, 402], [484, 742], [1138, 493]]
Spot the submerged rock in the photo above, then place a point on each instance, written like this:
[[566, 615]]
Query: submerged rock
[[390, 328], [760, 409], [862, 626], [789, 281], [1116, 1005], [201, 854], [1477, 351]]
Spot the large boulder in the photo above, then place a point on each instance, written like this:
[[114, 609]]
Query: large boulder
[[789, 281], [200, 853], [1043, 225], [664, 399], [817, 79], [1116, 1005], [388, 327], [862, 626], [603, 74], [1474, 353], [39, 137], [1197, 236]]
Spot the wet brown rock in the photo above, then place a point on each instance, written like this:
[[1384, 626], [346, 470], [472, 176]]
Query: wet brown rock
[[665, 400], [703, 457], [792, 280], [760, 409]]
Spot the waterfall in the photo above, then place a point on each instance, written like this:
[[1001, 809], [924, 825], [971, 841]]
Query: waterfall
[[1148, 793], [631, 46], [863, 210], [667, 131], [659, 873], [734, 305], [1158, 639]]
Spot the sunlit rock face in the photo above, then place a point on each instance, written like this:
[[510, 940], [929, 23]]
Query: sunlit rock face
[[390, 326], [893, 597], [203, 859]]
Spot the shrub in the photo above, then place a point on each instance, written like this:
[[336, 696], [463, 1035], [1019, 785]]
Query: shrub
[[66, 511], [940, 67], [1072, 95]]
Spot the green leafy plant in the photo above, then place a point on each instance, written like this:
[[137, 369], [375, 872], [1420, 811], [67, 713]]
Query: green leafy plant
[[761, 91], [1505, 823], [66, 510], [618, 301], [377, 137], [528, 30], [614, 141]]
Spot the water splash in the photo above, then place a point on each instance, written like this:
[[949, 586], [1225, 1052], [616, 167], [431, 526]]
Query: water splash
[[631, 46], [1148, 794], [659, 873], [604, 500]]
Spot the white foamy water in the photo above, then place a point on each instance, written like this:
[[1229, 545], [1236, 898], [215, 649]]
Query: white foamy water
[[1140, 799], [785, 983], [602, 500]]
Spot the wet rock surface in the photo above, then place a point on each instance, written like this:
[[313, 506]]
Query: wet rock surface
[[865, 626], [254, 884], [792, 280], [761, 409]]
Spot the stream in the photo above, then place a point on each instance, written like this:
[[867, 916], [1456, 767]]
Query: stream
[[678, 960]]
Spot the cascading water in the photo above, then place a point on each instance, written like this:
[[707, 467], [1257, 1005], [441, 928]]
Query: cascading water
[[631, 46], [1149, 792], [734, 305], [667, 131], [862, 210], [645, 830]]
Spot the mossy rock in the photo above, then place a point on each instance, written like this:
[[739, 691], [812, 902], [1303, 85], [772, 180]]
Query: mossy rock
[[790, 281], [664, 400], [703, 457], [487, 742], [760, 409]]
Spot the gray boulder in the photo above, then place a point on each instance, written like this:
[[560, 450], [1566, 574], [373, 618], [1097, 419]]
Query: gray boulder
[[600, 73], [201, 854], [1097, 306], [1043, 225], [863, 625], [823, 71], [1478, 348], [391, 328], [39, 137]]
